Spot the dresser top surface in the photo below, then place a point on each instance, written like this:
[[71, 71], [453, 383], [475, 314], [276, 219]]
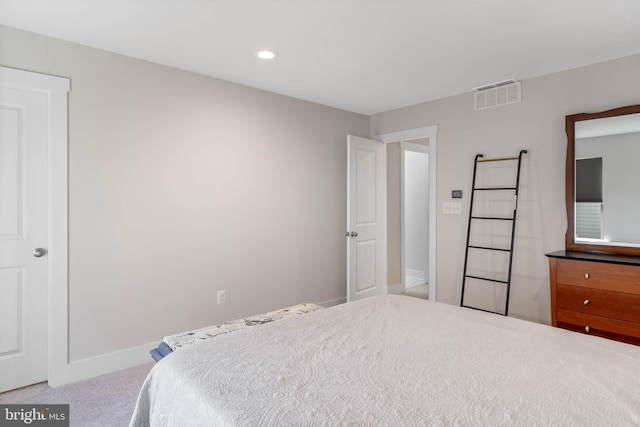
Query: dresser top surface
[[596, 256]]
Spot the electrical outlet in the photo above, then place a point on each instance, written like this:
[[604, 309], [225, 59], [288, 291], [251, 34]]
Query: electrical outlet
[[222, 296], [452, 208]]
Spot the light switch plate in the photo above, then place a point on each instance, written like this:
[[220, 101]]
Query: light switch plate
[[452, 208], [222, 296]]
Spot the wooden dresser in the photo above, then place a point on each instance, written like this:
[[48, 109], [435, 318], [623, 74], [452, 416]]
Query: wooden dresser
[[597, 294]]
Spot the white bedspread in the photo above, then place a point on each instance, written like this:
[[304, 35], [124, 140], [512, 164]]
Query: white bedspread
[[396, 361], [190, 337]]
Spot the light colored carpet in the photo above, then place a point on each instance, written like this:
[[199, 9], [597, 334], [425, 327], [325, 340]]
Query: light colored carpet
[[103, 401], [420, 291]]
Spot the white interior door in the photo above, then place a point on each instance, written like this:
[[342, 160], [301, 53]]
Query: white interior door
[[24, 213], [366, 218]]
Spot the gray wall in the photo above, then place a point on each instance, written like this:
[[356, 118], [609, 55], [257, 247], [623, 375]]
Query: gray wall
[[181, 185], [536, 124], [394, 251]]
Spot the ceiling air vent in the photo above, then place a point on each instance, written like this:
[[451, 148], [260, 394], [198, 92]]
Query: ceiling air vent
[[496, 94]]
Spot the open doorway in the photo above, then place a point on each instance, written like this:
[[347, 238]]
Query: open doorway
[[396, 260], [414, 217]]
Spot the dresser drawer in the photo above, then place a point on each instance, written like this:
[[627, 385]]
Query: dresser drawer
[[599, 275], [615, 305], [599, 333], [587, 322]]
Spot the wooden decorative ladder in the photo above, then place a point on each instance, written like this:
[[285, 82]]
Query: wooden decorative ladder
[[473, 218]]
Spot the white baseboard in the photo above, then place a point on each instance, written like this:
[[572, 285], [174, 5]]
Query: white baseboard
[[333, 302], [414, 278], [118, 360], [415, 274], [103, 364]]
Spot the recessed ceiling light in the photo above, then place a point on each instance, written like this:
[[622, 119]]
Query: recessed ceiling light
[[267, 54]]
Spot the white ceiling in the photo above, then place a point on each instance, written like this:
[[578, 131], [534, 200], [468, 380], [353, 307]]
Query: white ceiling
[[366, 56]]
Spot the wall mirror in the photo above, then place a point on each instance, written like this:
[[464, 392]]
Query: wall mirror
[[603, 181]]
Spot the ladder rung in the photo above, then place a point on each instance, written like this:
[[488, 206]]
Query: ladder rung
[[482, 309], [494, 188], [501, 186], [502, 159], [491, 217], [487, 279], [490, 249]]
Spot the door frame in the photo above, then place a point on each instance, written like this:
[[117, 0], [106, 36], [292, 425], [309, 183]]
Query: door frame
[[56, 89], [418, 148], [409, 135]]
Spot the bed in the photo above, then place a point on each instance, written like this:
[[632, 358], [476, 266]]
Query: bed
[[395, 361], [171, 343]]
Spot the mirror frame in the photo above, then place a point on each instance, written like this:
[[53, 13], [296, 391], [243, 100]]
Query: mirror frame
[[570, 243]]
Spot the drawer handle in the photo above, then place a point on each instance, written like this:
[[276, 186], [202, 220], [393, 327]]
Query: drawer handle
[[586, 302], [586, 276], [586, 329]]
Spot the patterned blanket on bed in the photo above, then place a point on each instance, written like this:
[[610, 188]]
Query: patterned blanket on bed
[[184, 338]]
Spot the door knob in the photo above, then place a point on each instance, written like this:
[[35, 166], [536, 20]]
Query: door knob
[[39, 252], [354, 234]]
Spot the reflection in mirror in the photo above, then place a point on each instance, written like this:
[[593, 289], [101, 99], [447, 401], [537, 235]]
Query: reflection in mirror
[[607, 175], [589, 211], [605, 164]]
